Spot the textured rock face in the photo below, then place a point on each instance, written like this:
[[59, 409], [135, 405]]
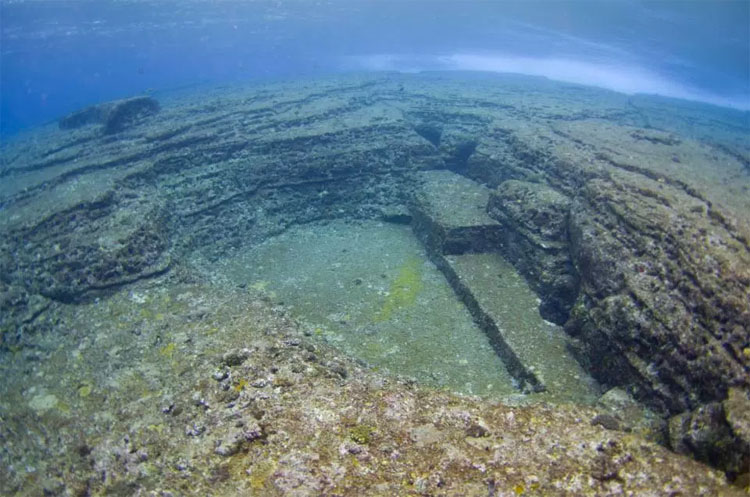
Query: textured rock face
[[645, 231], [716, 433], [87, 212], [657, 286], [449, 215], [535, 221], [661, 254], [90, 248], [113, 116], [663, 264], [737, 410], [235, 400]]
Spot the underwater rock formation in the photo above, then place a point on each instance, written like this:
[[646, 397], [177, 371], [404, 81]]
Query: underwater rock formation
[[716, 433], [535, 218], [221, 395], [631, 223], [113, 116], [90, 248]]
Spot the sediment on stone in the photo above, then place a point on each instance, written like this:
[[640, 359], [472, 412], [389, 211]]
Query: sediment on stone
[[449, 216], [636, 263], [658, 230], [221, 394], [91, 247], [534, 218]]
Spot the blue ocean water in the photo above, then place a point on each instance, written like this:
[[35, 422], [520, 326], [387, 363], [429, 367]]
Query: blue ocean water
[[57, 56]]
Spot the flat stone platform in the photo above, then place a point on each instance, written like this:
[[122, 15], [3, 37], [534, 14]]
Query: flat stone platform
[[450, 218], [507, 309], [369, 289], [450, 214]]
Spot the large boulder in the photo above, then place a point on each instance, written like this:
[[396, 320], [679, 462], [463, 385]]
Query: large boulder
[[113, 116], [717, 433]]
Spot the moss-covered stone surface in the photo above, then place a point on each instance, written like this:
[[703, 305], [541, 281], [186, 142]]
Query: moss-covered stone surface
[[368, 288], [629, 216], [192, 390]]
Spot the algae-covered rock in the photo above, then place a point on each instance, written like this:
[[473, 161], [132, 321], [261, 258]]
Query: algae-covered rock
[[653, 293], [90, 115], [160, 425], [128, 112], [19, 311], [87, 249], [113, 116], [737, 411], [633, 416], [534, 218], [661, 253], [653, 273], [706, 434]]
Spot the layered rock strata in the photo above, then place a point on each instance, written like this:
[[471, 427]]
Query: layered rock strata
[[113, 116], [638, 209], [449, 215], [535, 218]]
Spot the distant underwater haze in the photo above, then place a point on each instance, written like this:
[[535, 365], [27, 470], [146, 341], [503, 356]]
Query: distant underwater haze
[[58, 56]]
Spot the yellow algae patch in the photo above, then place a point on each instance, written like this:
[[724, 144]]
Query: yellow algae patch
[[84, 390], [211, 331], [259, 474], [403, 290], [362, 434], [158, 428], [63, 407], [259, 286], [168, 350]]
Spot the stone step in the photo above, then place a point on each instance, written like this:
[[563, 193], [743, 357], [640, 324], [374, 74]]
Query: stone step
[[449, 214], [534, 350]]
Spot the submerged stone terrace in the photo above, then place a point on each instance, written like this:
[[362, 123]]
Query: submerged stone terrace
[[628, 215]]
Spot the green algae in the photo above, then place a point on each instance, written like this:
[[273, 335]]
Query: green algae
[[403, 291], [361, 434], [369, 290], [260, 474], [168, 350], [85, 390]]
